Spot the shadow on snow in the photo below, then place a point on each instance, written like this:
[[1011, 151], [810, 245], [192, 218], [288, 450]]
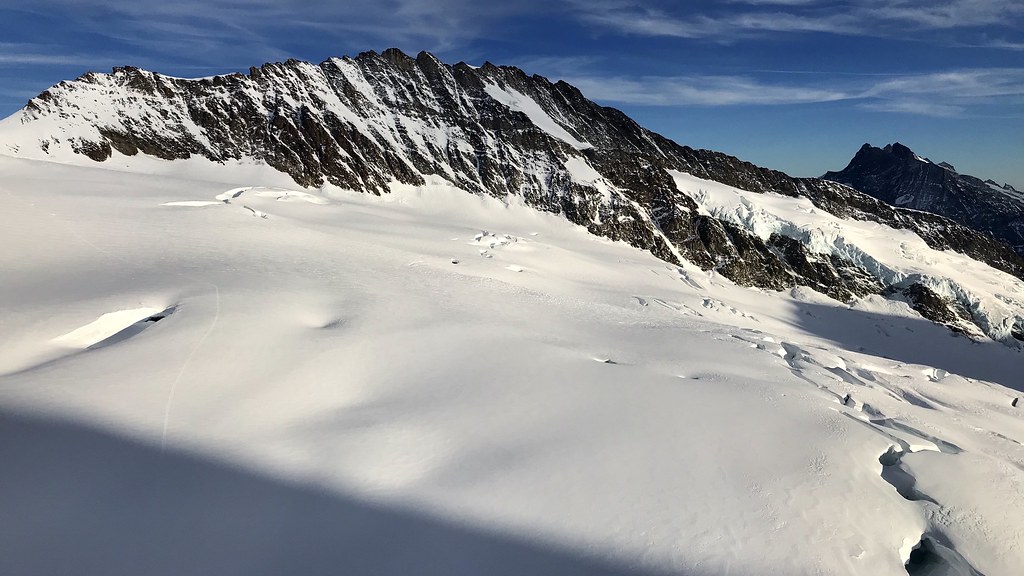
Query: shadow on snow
[[912, 341], [78, 500]]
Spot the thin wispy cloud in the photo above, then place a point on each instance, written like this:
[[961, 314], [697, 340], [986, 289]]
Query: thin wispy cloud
[[947, 14], [630, 18], [944, 94], [752, 18], [17, 93], [774, 2], [24, 54], [700, 90], [1002, 45], [44, 59], [916, 107], [260, 30], [959, 84]]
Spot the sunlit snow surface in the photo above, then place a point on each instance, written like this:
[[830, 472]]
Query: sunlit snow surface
[[206, 370]]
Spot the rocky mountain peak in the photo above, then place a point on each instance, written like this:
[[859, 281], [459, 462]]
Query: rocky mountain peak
[[900, 151]]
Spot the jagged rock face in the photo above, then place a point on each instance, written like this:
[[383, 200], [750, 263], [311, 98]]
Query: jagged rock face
[[896, 175], [364, 123]]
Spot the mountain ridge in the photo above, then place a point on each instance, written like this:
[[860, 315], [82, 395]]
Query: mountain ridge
[[366, 122]]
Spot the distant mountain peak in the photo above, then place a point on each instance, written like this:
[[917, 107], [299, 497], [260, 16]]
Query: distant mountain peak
[[899, 150], [1004, 186], [894, 175]]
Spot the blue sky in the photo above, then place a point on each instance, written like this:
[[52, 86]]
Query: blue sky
[[796, 85]]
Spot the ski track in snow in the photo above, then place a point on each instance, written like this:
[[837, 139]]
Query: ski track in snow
[[184, 366]]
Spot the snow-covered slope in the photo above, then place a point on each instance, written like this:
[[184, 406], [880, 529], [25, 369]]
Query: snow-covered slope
[[205, 368], [366, 122]]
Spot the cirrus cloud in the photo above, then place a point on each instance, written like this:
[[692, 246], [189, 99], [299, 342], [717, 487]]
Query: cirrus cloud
[[943, 94]]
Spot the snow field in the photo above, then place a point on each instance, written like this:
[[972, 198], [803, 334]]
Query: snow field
[[600, 412]]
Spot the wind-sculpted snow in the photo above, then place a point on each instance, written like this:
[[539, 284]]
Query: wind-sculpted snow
[[333, 395]]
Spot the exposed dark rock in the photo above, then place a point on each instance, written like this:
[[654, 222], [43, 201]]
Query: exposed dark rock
[[827, 274], [934, 307], [98, 151]]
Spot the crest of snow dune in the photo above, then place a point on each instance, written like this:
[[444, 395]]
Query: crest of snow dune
[[523, 103]]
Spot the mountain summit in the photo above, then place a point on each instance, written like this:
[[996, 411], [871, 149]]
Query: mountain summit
[[375, 121], [898, 176]]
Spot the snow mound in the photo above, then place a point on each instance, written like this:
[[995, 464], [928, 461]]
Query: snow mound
[[112, 327]]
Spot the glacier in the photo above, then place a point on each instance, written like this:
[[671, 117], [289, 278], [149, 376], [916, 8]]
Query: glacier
[[332, 392]]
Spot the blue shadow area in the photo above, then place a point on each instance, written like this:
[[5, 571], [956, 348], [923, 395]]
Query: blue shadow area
[[913, 341], [78, 500]]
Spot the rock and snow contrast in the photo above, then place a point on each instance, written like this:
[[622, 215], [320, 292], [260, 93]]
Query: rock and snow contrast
[[895, 174], [390, 316]]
